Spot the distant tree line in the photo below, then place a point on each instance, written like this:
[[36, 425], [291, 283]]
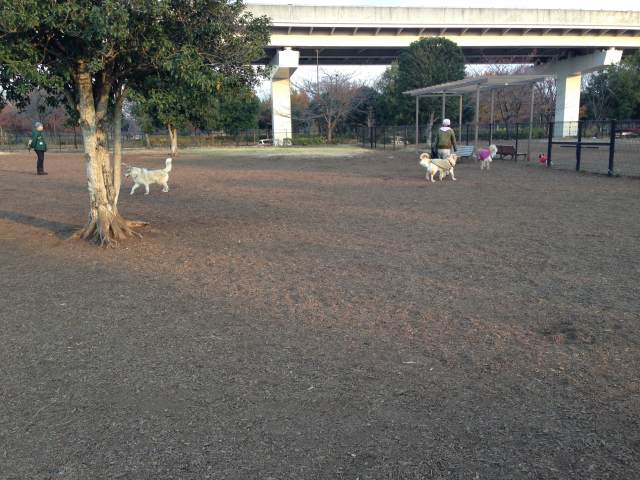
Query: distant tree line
[[613, 93]]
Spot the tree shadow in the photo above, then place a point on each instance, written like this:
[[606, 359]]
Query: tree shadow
[[62, 230]]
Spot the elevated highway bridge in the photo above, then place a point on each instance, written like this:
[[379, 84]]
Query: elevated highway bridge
[[565, 43]]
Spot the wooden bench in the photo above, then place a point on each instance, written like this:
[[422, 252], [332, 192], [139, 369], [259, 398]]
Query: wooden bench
[[509, 150], [464, 151]]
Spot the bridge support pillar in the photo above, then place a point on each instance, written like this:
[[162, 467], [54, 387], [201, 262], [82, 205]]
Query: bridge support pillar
[[567, 104], [283, 65], [568, 75]]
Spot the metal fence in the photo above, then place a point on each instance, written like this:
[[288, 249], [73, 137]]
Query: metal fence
[[72, 141], [607, 147], [516, 136]]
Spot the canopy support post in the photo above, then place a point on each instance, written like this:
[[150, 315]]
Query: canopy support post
[[477, 120], [460, 120], [417, 124], [493, 97], [533, 93]]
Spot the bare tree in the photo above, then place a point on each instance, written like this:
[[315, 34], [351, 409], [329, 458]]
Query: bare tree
[[333, 98], [545, 99]]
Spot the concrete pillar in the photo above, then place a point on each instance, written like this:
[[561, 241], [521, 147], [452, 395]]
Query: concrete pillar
[[568, 73], [567, 104], [283, 65]]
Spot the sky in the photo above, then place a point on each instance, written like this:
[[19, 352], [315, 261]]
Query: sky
[[370, 73]]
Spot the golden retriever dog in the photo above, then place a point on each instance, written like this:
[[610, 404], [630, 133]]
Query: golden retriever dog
[[442, 167]]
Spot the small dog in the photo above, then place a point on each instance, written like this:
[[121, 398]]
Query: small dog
[[142, 176], [442, 167], [485, 156]]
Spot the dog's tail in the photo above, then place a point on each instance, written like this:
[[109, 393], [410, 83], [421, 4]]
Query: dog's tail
[[167, 167]]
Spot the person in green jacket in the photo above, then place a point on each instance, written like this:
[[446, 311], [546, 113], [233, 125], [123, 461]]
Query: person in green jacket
[[446, 139], [39, 145]]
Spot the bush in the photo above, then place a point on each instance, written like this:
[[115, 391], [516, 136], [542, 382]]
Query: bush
[[304, 140]]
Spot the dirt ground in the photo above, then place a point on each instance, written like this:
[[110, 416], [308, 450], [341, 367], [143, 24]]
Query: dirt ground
[[321, 314]]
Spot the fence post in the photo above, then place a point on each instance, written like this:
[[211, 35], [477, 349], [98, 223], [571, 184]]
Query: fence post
[[579, 146], [384, 138], [612, 147], [550, 144]]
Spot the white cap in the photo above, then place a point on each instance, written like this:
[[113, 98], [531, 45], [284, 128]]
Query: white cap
[[446, 122]]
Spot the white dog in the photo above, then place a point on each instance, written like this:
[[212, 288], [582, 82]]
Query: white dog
[[485, 156], [442, 167], [142, 176]]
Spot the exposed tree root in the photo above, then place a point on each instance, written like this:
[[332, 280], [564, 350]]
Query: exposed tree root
[[109, 230], [136, 223]]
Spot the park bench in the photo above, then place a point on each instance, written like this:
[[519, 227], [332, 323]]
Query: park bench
[[509, 150], [464, 151]]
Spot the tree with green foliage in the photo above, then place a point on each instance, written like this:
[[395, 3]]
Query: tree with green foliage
[[615, 91], [88, 54], [239, 108], [174, 105], [362, 109], [597, 97], [386, 109], [427, 62]]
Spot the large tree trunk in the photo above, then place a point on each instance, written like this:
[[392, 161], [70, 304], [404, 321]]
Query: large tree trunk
[[104, 225], [173, 137], [147, 140], [117, 143], [329, 131]]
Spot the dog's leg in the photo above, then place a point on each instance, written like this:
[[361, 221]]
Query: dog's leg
[[452, 176], [146, 189], [165, 187], [133, 189]]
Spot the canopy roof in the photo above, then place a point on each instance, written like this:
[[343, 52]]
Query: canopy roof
[[471, 84]]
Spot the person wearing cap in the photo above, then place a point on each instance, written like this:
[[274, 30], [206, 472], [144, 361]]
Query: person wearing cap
[[446, 139], [39, 145]]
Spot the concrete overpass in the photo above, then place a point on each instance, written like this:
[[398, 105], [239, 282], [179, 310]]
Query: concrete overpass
[[377, 35]]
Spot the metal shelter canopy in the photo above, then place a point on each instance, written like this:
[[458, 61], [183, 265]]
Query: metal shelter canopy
[[472, 84], [476, 84]]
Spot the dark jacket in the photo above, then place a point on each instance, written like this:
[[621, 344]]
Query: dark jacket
[[37, 141], [446, 139]]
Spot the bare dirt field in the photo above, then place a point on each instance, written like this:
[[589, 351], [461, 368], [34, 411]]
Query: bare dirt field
[[321, 314]]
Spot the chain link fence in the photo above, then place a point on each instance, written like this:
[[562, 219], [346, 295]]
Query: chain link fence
[[72, 141]]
